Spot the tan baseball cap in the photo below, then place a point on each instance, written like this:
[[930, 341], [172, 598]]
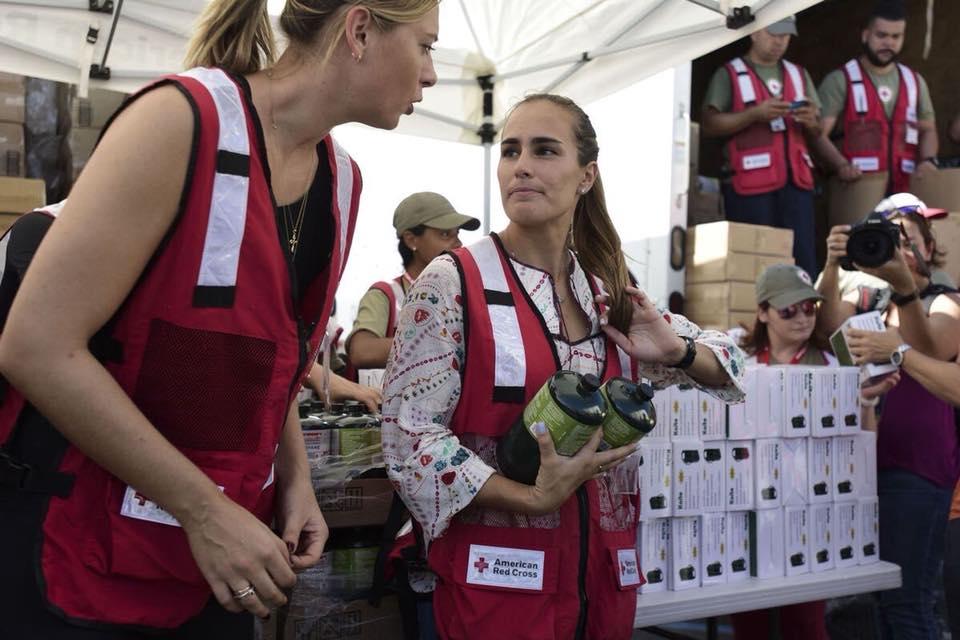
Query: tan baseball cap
[[430, 209], [785, 284]]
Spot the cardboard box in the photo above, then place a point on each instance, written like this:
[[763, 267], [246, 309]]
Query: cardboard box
[[703, 207], [653, 546], [684, 416], [766, 544], [13, 98], [357, 620], [947, 233], [719, 239], [7, 220], [798, 393], [819, 478], [866, 480], [713, 547], [850, 202], [358, 503], [869, 551], [684, 553], [713, 485], [726, 296], [94, 110], [661, 405], [721, 320], [738, 545], [738, 426], [20, 195], [655, 472], [13, 153], [870, 321], [796, 540], [846, 517], [825, 404], [793, 464], [687, 477], [845, 460], [849, 399], [741, 267], [712, 417], [940, 189], [739, 480], [821, 537], [767, 489]]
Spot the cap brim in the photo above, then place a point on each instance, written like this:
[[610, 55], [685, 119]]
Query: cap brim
[[788, 298], [454, 221], [930, 213], [781, 31]]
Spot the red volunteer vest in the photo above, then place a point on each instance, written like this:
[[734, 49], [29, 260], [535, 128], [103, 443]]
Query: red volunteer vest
[[394, 292], [526, 581], [763, 155], [213, 351], [873, 143]]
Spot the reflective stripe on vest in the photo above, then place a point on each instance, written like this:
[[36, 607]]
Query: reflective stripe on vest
[[799, 86], [910, 82], [859, 91], [744, 81]]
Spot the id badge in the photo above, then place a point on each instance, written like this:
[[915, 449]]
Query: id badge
[[778, 125], [913, 135], [908, 166]]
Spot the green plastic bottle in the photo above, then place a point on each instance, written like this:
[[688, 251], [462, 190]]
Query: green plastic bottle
[[630, 414], [572, 408]]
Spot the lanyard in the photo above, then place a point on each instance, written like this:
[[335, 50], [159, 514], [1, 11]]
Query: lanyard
[[763, 356]]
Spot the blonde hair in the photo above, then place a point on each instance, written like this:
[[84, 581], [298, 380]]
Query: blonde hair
[[236, 34], [594, 237]]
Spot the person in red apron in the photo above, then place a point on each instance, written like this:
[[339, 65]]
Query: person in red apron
[[157, 343], [427, 225], [482, 330]]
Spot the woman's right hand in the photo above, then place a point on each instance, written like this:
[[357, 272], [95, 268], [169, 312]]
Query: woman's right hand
[[234, 550], [560, 476], [837, 243]]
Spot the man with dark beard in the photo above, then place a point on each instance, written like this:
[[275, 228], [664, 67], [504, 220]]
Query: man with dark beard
[[878, 111]]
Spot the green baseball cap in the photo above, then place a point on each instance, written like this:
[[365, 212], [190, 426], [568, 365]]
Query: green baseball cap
[[430, 209], [783, 27], [782, 285]]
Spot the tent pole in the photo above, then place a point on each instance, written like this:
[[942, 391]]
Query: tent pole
[[486, 186], [487, 133]]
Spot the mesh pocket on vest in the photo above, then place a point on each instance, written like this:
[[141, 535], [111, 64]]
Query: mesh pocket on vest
[[757, 135], [864, 137], [204, 389]]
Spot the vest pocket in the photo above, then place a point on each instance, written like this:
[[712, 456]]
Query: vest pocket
[[205, 390], [864, 136]]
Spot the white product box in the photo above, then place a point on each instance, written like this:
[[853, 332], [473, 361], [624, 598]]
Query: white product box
[[684, 412], [767, 491], [712, 417], [739, 427], [866, 481], [869, 551], [713, 547], [846, 527], [766, 543], [768, 397], [713, 497], [653, 549], [661, 404], [870, 321], [370, 378], [821, 537], [846, 457], [849, 399], [739, 480], [655, 473], [738, 545], [796, 540], [819, 478], [687, 477], [684, 553], [794, 472], [798, 392], [825, 406]]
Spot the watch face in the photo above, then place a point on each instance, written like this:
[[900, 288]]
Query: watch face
[[896, 358]]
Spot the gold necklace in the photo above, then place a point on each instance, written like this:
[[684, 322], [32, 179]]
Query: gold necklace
[[292, 229]]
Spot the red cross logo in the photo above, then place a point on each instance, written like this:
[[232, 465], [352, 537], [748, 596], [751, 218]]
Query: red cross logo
[[481, 564]]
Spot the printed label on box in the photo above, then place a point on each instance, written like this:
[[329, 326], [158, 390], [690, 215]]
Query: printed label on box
[[713, 416], [767, 488], [825, 419], [846, 525], [845, 459], [798, 392], [654, 544], [684, 410], [819, 478], [739, 427], [869, 551], [821, 537], [849, 399], [713, 484], [713, 536], [739, 480], [685, 553], [687, 477], [738, 545], [661, 404], [655, 472], [797, 540]]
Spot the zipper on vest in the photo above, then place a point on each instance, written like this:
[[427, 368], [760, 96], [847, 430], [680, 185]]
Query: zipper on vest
[[584, 512], [303, 348]]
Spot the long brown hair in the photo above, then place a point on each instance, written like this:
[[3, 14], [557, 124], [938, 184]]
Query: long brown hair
[[236, 34], [757, 339], [594, 238]]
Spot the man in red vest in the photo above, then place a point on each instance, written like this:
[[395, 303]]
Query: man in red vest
[[767, 108], [877, 113]]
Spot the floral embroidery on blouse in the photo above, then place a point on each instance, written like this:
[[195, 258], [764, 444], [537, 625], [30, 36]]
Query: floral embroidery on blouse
[[437, 473]]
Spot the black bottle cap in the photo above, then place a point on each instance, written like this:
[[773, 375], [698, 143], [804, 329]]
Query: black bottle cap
[[589, 383]]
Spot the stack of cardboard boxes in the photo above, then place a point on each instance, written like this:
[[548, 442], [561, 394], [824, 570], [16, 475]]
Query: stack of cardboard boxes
[[89, 115], [724, 260], [17, 194], [704, 200], [942, 190]]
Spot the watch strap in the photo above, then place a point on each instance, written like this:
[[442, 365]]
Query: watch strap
[[900, 300], [688, 355]]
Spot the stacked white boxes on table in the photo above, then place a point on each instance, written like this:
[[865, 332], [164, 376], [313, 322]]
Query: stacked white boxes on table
[[781, 485]]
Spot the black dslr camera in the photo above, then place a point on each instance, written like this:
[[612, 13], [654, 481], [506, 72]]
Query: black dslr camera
[[871, 242]]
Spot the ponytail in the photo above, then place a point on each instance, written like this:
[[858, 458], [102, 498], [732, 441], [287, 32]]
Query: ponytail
[[235, 35]]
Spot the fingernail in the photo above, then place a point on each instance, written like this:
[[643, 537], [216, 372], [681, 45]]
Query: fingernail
[[539, 428], [291, 547]]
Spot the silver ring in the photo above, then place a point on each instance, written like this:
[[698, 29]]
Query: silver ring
[[243, 593], [599, 468]]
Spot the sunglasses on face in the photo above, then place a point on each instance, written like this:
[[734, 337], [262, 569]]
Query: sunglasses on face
[[808, 307]]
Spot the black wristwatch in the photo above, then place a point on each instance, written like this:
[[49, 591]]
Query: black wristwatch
[[688, 356], [900, 300]]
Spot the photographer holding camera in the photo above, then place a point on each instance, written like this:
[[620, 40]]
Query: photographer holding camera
[[917, 447]]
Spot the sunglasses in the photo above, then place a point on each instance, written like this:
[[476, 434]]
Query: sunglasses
[[808, 307], [901, 211]]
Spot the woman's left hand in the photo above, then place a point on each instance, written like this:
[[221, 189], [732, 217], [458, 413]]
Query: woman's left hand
[[650, 337], [873, 346], [301, 524]]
